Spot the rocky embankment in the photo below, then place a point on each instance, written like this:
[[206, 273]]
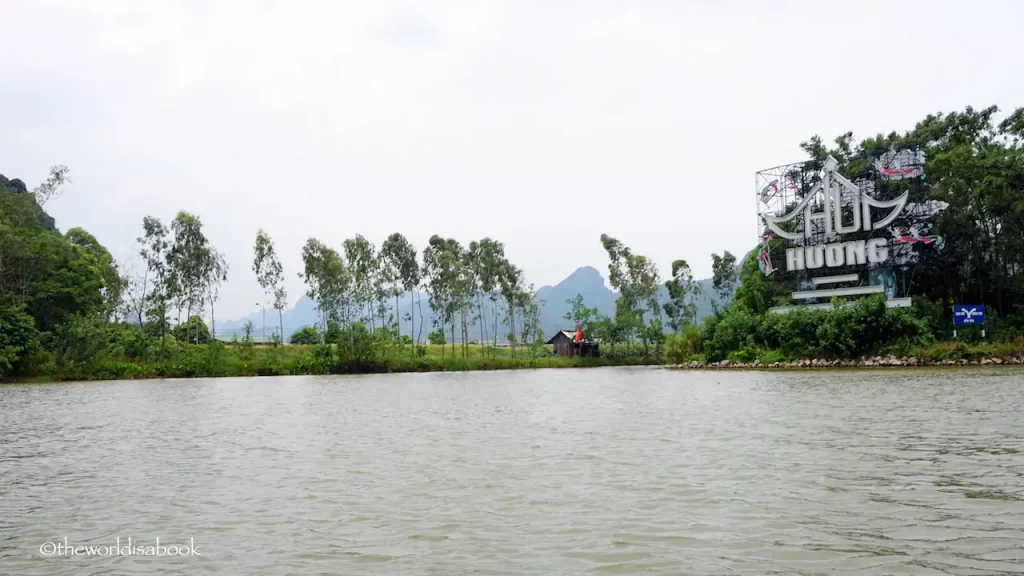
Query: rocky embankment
[[904, 361]]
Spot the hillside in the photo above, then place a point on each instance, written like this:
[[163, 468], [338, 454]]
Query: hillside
[[586, 281]]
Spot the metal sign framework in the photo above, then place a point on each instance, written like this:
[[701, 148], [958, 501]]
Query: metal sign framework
[[823, 231]]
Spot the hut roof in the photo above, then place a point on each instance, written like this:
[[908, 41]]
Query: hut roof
[[571, 335]]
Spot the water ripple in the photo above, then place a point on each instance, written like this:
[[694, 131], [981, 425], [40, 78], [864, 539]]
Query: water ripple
[[603, 471]]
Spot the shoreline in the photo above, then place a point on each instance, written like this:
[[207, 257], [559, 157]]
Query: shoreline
[[869, 362], [457, 366]]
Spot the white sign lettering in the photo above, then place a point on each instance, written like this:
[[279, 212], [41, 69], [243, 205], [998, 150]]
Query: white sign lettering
[[875, 251]]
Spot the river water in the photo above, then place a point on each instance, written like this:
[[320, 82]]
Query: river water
[[599, 471]]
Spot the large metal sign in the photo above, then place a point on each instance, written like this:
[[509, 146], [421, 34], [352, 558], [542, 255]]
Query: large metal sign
[[824, 231]]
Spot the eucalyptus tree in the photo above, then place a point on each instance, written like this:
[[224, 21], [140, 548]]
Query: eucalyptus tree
[[326, 278], [723, 270], [216, 274], [680, 308], [474, 258], [136, 286], [579, 314], [399, 267], [153, 248], [492, 262], [530, 312], [51, 187], [270, 274], [189, 259], [445, 273], [362, 262], [644, 281], [636, 278], [434, 283], [627, 305], [511, 281]]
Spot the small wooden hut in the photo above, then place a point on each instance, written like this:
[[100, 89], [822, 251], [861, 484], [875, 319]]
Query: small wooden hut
[[565, 345]]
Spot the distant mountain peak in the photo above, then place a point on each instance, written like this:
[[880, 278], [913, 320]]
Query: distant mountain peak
[[583, 276]]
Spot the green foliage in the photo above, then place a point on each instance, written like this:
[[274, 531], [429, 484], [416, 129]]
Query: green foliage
[[679, 347], [724, 275], [863, 328], [18, 338], [194, 331], [680, 308], [756, 293], [436, 337]]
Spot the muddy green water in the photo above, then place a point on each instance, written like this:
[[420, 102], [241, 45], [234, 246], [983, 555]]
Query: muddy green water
[[601, 471]]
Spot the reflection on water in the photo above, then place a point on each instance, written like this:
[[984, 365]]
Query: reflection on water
[[620, 471]]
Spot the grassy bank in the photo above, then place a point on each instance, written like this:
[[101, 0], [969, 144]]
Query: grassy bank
[[227, 360]]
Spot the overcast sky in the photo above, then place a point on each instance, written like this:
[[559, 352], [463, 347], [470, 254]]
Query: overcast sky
[[542, 124]]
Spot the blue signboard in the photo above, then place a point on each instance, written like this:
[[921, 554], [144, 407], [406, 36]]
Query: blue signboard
[[968, 314]]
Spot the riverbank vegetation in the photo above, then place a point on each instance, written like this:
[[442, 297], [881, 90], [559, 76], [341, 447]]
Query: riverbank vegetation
[[974, 165], [68, 310]]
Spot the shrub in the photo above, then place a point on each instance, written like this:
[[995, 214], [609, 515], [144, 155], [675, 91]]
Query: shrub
[[187, 332], [865, 327], [745, 355], [305, 335], [682, 345]]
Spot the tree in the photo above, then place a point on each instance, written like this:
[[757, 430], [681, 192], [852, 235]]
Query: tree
[[136, 283], [445, 274], [193, 330], [636, 278], [680, 308], [18, 338], [189, 260], [724, 275], [270, 273], [113, 284], [215, 274], [491, 265], [580, 315], [362, 260], [530, 306], [305, 335], [400, 268], [436, 337], [511, 281], [51, 187], [327, 279], [154, 247]]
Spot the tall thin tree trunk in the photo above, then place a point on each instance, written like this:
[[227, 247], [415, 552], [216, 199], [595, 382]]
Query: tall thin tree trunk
[[280, 318], [419, 308], [512, 328], [483, 323], [412, 319]]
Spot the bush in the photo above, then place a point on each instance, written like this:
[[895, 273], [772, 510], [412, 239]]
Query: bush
[[769, 357], [864, 328], [194, 331], [682, 345], [305, 335]]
